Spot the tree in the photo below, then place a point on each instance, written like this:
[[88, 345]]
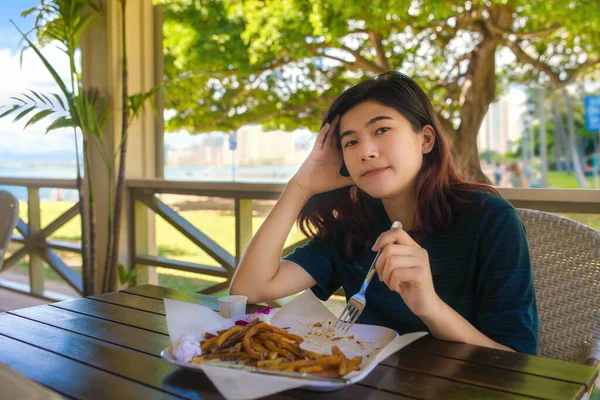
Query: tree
[[281, 63], [556, 105]]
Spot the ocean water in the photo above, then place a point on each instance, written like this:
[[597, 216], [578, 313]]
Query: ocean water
[[267, 174]]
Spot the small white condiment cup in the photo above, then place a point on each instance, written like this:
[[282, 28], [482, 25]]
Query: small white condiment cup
[[232, 306]]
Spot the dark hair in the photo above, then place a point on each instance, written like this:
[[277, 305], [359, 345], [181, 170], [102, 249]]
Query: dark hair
[[345, 216]]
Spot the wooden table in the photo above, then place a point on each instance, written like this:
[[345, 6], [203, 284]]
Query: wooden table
[[109, 346]]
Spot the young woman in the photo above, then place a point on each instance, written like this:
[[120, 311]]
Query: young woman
[[459, 266]]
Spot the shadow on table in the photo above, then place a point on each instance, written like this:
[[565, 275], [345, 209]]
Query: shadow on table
[[190, 385]]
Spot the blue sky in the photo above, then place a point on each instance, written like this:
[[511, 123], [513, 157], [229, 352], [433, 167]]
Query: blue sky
[[16, 78], [10, 9]]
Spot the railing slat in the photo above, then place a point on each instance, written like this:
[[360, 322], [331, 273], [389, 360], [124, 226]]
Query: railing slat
[[59, 221], [22, 227], [39, 183], [36, 268], [156, 261], [64, 246], [243, 227], [70, 276], [14, 258]]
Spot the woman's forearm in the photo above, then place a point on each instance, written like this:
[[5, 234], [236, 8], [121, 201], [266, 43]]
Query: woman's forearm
[[261, 259], [447, 324]]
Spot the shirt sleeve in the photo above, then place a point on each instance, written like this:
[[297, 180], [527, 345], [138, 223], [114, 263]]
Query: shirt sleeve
[[318, 261], [505, 306]]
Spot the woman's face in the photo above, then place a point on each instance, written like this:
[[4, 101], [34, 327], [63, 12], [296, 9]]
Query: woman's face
[[382, 152]]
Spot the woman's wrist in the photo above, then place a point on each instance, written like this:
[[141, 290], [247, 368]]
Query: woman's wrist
[[435, 314], [296, 186]]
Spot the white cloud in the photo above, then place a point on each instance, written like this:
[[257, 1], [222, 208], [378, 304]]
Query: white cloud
[[32, 75]]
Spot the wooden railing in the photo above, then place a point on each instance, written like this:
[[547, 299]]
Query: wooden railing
[[142, 197], [36, 242], [145, 191]]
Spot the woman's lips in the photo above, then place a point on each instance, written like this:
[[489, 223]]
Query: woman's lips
[[374, 172]]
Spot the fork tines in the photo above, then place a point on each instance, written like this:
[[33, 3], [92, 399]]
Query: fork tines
[[348, 317]]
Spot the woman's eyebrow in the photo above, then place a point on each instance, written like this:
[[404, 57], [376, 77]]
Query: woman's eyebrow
[[370, 122]]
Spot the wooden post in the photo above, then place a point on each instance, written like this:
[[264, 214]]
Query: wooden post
[[243, 227], [101, 66], [36, 267]]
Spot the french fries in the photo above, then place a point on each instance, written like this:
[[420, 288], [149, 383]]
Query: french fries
[[266, 346]]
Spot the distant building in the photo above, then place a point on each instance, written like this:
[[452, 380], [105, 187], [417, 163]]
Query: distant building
[[502, 125], [254, 147]]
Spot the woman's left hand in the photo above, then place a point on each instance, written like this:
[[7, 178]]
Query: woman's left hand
[[404, 267]]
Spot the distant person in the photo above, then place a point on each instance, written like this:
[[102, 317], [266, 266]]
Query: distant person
[[516, 177], [497, 174]]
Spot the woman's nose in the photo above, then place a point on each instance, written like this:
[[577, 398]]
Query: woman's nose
[[369, 152]]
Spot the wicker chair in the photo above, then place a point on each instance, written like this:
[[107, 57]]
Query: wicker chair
[[565, 259], [9, 216]]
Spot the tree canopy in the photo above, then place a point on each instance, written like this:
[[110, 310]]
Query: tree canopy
[[281, 63]]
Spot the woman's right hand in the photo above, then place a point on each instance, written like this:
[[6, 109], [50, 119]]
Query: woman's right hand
[[320, 172]]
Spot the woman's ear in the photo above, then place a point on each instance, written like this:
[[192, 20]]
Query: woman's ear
[[428, 139]]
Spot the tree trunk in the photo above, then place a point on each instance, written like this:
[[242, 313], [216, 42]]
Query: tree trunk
[[467, 156], [560, 137], [85, 240], [557, 152], [91, 218], [85, 244], [476, 96], [581, 180], [477, 93]]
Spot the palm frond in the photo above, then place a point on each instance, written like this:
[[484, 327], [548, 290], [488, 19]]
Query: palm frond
[[45, 96], [29, 11], [36, 94], [137, 102], [10, 111], [24, 112], [18, 99], [60, 100], [31, 99], [49, 67], [42, 114], [61, 122]]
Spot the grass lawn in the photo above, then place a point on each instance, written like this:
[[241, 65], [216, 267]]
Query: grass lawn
[[565, 181]]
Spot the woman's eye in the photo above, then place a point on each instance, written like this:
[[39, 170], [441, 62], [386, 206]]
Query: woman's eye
[[381, 130], [350, 143]]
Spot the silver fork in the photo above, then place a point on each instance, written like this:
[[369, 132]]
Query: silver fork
[[357, 303]]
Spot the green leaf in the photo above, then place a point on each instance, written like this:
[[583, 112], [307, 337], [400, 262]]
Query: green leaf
[[60, 100], [25, 13], [24, 113], [30, 98], [9, 111], [127, 277], [36, 94], [18, 99], [61, 122], [122, 274], [37, 117], [45, 96]]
